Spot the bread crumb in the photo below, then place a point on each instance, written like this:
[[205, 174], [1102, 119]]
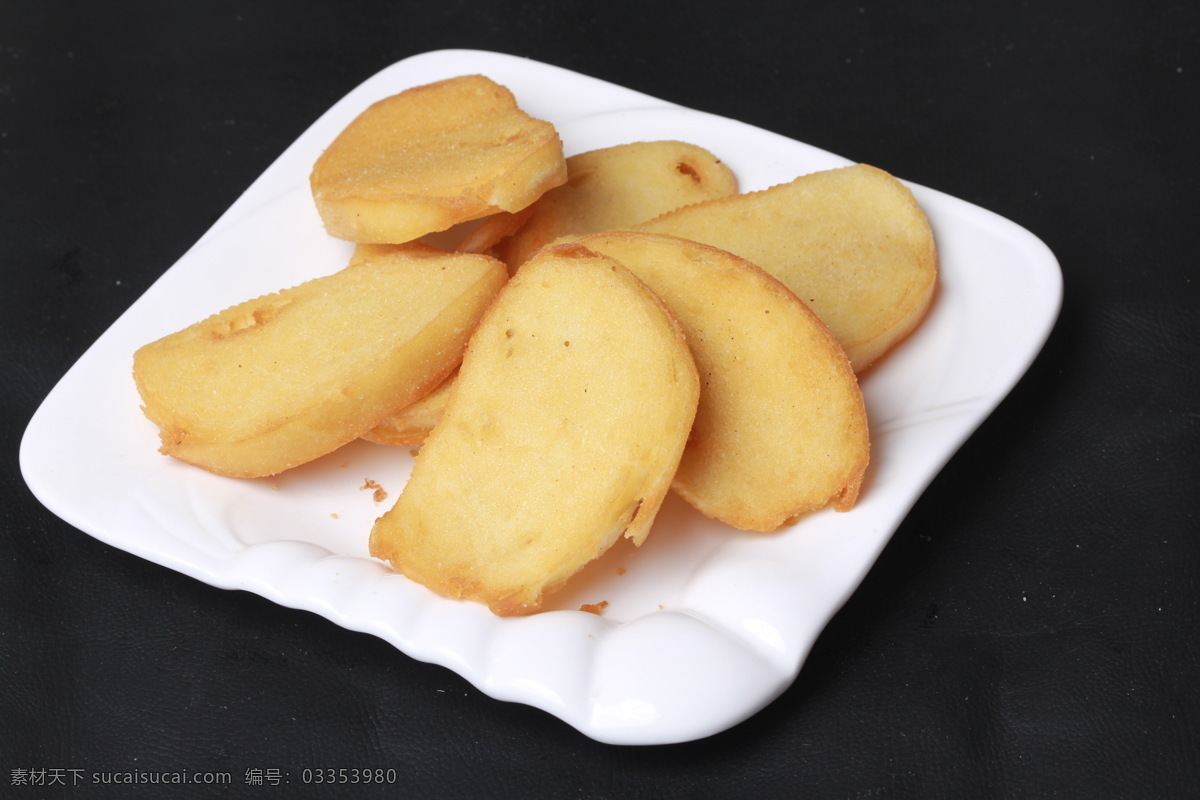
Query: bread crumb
[[333, 515], [620, 570], [594, 608], [380, 495]]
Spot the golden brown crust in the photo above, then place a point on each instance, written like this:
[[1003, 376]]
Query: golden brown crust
[[852, 243], [431, 157], [569, 415]]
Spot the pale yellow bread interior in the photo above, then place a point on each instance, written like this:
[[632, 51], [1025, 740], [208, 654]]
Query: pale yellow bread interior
[[612, 187], [280, 380], [781, 428], [565, 427], [852, 243], [431, 157]]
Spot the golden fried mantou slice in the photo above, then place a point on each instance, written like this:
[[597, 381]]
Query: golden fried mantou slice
[[566, 424], [781, 429], [852, 243], [431, 157], [409, 426], [610, 188], [274, 382]]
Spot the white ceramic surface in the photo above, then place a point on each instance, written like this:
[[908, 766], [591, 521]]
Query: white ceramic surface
[[705, 625]]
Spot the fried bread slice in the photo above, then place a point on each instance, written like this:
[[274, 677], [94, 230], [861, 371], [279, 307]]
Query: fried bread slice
[[612, 187], [431, 157], [280, 380], [852, 243], [781, 428], [569, 414]]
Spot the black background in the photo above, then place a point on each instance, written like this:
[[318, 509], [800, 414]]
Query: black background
[[1030, 631]]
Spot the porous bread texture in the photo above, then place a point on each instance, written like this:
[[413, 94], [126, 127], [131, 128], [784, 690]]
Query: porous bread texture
[[431, 157], [283, 379], [781, 428], [568, 418], [852, 243], [609, 188]]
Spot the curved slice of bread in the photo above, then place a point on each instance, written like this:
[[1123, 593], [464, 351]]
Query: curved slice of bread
[[568, 418], [613, 187], [781, 428], [431, 157], [852, 243], [280, 380]]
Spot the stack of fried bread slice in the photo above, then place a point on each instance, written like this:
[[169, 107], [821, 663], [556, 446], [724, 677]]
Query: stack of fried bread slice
[[431, 157], [608, 188], [851, 243], [564, 430], [616, 325], [781, 428], [280, 380]]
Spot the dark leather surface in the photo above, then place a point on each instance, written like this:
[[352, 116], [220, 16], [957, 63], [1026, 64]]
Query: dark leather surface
[[1030, 631]]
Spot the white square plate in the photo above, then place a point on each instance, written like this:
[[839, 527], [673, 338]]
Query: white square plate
[[705, 625]]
